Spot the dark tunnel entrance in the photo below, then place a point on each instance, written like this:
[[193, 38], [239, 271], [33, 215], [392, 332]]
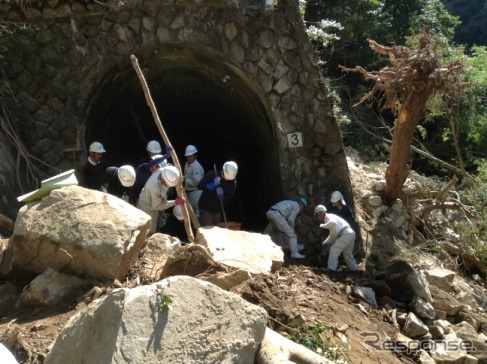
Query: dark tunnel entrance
[[203, 100]]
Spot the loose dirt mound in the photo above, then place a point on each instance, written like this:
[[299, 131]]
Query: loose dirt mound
[[300, 296]]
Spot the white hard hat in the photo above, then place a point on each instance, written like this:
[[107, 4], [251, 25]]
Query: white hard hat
[[126, 175], [178, 212], [190, 150], [320, 209], [154, 147], [97, 147], [171, 175], [336, 196], [230, 170]]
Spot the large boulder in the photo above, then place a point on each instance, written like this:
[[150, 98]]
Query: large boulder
[[254, 252], [203, 324], [277, 349], [474, 344], [422, 309], [444, 301], [449, 351], [78, 231], [441, 278], [52, 288], [406, 282], [414, 327]]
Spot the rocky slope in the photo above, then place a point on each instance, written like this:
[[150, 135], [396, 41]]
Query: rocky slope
[[365, 317]]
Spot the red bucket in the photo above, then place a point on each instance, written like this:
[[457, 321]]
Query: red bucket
[[230, 225]]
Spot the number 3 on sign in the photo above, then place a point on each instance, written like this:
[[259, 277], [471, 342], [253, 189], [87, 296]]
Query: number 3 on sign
[[295, 140]]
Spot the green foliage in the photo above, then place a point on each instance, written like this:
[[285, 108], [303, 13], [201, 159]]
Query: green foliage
[[473, 15], [474, 108], [435, 19], [347, 25], [469, 115], [474, 233], [475, 192], [163, 303], [340, 30], [324, 32], [314, 338]]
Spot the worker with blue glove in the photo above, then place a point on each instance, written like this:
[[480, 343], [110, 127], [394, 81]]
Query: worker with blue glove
[[218, 187]]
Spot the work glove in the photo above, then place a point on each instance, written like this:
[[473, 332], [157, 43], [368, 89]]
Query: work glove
[[325, 243], [168, 151], [220, 193], [216, 181], [180, 201], [211, 186]]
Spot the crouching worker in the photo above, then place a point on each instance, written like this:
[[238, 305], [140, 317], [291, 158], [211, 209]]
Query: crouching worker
[[153, 197], [341, 238], [120, 180], [281, 216]]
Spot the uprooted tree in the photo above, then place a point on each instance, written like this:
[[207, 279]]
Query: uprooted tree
[[413, 76]]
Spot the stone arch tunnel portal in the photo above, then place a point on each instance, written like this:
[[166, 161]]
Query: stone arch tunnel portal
[[202, 99]]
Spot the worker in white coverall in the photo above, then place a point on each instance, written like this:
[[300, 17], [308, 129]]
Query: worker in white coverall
[[153, 197], [281, 216], [193, 173], [341, 238]]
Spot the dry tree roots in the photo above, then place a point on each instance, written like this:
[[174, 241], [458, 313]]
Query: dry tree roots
[[32, 171]]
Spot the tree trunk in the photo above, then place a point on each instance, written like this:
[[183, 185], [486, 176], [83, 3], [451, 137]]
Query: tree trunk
[[397, 171]]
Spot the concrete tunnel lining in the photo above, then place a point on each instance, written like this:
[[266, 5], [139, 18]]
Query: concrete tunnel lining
[[203, 99]]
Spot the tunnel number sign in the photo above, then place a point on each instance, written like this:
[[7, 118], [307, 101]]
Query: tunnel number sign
[[295, 140]]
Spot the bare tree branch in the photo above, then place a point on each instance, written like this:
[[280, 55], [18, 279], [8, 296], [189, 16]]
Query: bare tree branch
[[426, 210], [445, 189]]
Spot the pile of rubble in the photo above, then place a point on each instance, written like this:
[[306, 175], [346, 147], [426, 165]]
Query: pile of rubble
[[154, 299], [440, 316], [75, 237]]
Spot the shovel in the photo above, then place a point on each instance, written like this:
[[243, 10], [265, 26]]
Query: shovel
[[221, 202]]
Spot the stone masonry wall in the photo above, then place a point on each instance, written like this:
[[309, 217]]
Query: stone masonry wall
[[78, 42]]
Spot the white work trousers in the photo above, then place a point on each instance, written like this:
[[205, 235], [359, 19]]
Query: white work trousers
[[343, 244], [281, 224], [193, 198]]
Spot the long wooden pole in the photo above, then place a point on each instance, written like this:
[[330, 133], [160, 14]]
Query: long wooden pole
[[179, 187]]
